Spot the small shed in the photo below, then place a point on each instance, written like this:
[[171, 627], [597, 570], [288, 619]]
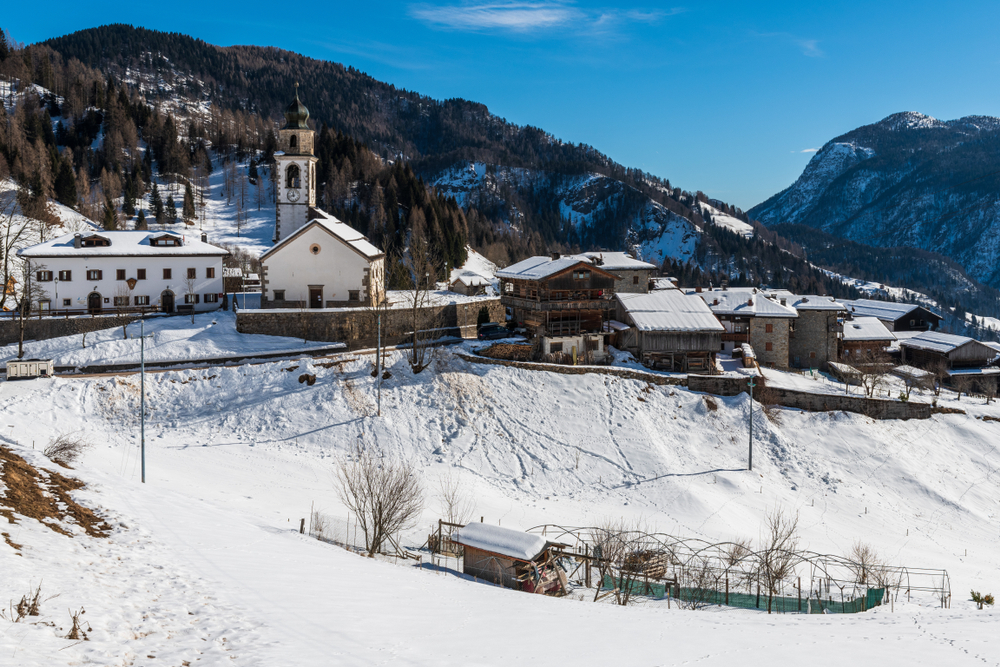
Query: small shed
[[469, 283], [23, 369], [932, 347], [510, 558]]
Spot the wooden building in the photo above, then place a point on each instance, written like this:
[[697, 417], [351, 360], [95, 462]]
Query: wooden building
[[559, 299], [863, 335], [510, 558], [930, 348], [895, 316], [670, 330]]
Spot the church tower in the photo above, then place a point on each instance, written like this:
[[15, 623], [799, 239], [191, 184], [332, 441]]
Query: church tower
[[296, 170]]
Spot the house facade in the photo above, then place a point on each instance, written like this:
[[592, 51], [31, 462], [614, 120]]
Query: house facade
[[864, 336], [752, 316], [325, 264], [815, 339], [633, 275], [126, 271]]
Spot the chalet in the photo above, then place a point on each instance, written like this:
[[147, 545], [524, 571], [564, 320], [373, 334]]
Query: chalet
[[469, 283], [750, 316], [324, 264], [565, 301], [931, 348], [896, 316], [670, 330], [633, 275], [126, 270], [510, 558], [864, 335]]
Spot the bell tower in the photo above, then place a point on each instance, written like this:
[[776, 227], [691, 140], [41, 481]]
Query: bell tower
[[296, 170]]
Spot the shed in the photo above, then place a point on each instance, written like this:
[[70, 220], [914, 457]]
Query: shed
[[23, 369], [671, 330], [510, 558], [864, 334], [930, 347], [896, 316]]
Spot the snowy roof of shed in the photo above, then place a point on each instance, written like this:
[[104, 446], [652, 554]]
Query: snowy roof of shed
[[350, 236], [125, 243], [669, 310], [471, 279], [867, 328], [745, 301], [936, 341], [884, 310], [503, 541]]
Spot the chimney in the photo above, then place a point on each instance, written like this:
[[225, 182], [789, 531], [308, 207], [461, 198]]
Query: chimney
[[204, 237], [750, 302], [697, 290], [77, 240], [715, 302], [805, 299], [554, 256]]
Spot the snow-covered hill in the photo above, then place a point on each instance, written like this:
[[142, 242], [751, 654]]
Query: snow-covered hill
[[204, 560]]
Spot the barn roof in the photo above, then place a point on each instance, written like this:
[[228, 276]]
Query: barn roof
[[866, 329], [669, 310], [503, 541], [543, 266], [745, 301], [884, 310], [616, 261], [935, 341]]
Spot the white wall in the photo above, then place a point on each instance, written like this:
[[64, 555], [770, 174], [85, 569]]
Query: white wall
[[337, 268], [79, 288]]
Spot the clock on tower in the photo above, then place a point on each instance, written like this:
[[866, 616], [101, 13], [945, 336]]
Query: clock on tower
[[296, 170]]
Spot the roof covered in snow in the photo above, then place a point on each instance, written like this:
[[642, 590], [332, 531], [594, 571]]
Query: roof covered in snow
[[744, 301], [539, 267], [123, 244], [884, 310], [503, 541], [617, 261], [350, 236], [867, 329], [815, 302], [935, 341], [669, 310], [470, 279]]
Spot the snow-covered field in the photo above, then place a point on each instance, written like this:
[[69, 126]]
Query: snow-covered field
[[205, 563]]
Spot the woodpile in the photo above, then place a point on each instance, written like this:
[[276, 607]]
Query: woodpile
[[509, 351]]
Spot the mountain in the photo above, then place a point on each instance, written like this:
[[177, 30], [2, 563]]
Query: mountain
[[908, 180]]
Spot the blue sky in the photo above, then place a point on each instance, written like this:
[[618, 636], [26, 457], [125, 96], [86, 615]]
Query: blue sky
[[727, 98]]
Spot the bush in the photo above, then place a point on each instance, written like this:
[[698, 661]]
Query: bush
[[981, 599], [66, 449]]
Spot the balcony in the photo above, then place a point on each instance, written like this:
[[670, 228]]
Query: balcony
[[603, 303], [729, 337]]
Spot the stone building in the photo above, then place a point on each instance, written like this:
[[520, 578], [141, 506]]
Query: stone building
[[815, 336], [752, 316], [633, 275]]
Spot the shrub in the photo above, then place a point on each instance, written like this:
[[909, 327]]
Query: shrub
[[66, 449]]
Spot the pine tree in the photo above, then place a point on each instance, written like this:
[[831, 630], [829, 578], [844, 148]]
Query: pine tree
[[65, 184], [171, 212], [140, 221], [128, 199], [109, 216], [156, 204], [188, 210]]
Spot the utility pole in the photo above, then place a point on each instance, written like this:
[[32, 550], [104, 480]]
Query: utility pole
[[750, 458], [378, 362], [142, 394]]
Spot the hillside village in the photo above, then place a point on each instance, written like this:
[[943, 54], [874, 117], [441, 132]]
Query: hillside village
[[195, 424]]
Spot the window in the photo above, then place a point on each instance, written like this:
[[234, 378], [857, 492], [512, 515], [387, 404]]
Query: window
[[635, 280], [279, 295], [769, 328], [43, 276], [120, 274], [210, 272], [190, 298], [95, 274], [192, 274], [168, 274], [142, 300], [212, 298], [769, 347], [812, 355], [913, 323], [555, 347], [95, 241], [43, 304], [140, 274], [292, 177], [293, 142], [121, 301], [66, 276], [67, 303], [581, 275], [353, 295]]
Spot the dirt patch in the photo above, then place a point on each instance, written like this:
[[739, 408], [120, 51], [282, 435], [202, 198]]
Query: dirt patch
[[290, 368], [947, 411], [41, 495], [987, 418], [11, 543]]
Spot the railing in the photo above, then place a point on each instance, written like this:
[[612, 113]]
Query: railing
[[531, 304], [78, 312], [730, 337]]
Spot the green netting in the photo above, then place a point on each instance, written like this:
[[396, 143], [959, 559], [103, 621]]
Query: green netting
[[779, 604]]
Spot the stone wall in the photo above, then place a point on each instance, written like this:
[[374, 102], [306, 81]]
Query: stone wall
[[777, 356], [54, 327], [627, 281], [814, 342], [357, 328]]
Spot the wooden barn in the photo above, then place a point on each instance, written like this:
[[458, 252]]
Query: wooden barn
[[510, 558], [895, 316], [670, 330], [932, 347], [864, 335]]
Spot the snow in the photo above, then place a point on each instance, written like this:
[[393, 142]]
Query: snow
[[211, 335], [726, 221], [866, 328], [499, 540], [205, 563], [936, 341], [668, 310], [124, 244]]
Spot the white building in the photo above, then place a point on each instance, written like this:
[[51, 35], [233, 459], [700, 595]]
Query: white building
[[325, 264], [296, 171], [109, 271]]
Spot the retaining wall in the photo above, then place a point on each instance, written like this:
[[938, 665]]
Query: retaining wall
[[54, 327]]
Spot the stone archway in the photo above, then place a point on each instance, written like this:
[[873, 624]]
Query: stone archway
[[167, 301], [95, 303]]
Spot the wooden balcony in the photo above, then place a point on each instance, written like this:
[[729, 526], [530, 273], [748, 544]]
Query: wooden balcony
[[604, 303], [729, 337]]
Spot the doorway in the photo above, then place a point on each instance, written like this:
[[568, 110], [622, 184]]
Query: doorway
[[94, 303], [167, 302], [315, 297]]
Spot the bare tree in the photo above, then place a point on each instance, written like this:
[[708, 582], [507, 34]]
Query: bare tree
[[15, 229], [987, 388], [701, 581], [777, 556], [190, 285], [625, 557], [961, 385], [420, 265], [874, 366], [123, 295], [66, 448], [457, 505], [31, 293], [383, 494]]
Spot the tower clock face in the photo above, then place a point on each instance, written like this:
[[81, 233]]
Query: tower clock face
[[293, 195]]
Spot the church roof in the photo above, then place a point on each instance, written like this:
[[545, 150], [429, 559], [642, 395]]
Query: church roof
[[296, 114], [345, 233]]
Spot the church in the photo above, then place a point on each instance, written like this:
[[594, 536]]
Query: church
[[316, 261]]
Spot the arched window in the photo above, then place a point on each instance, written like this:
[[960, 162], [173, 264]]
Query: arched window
[[293, 142], [292, 176]]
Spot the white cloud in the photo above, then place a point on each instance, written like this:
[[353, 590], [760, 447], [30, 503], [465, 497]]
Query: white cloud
[[522, 16], [810, 47], [809, 150]]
